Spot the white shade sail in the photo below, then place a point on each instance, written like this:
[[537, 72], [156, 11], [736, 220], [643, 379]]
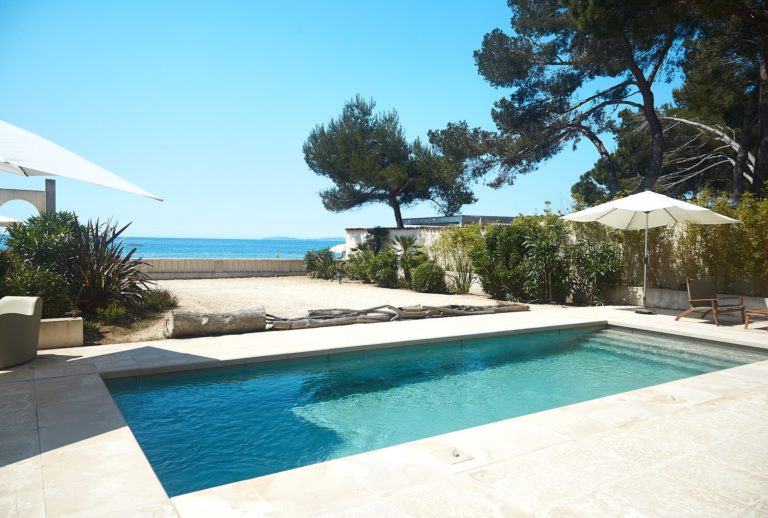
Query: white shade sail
[[26, 154], [629, 213], [5, 221]]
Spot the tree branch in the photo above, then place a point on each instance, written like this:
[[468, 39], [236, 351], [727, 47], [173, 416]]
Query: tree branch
[[688, 177], [637, 72], [602, 93], [721, 135], [665, 50]]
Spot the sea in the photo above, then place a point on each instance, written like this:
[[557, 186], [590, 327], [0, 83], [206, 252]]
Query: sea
[[197, 248]]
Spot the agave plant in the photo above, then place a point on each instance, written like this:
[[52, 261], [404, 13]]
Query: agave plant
[[101, 273], [321, 264]]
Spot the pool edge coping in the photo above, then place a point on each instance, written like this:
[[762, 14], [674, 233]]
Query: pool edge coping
[[66, 371], [442, 442], [107, 374]]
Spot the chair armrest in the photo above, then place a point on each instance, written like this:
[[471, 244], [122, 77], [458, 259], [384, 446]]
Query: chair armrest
[[26, 306], [702, 300], [733, 297]]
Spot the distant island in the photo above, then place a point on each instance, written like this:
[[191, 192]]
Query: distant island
[[285, 238]]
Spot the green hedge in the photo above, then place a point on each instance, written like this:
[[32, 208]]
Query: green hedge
[[383, 269], [735, 256], [539, 259], [429, 277], [356, 266], [72, 266]]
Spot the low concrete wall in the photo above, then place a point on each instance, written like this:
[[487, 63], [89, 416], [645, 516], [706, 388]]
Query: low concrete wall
[[60, 332], [158, 269], [664, 299]]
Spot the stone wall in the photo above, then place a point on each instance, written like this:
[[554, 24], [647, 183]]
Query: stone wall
[[159, 269], [664, 299]]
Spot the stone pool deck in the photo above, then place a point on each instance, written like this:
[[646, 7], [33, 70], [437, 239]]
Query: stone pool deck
[[694, 447]]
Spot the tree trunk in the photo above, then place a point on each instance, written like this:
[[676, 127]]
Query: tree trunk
[[742, 156], [610, 166], [191, 323], [657, 145], [761, 163], [396, 208], [644, 85]]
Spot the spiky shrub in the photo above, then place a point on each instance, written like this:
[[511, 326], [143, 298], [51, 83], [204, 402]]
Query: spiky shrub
[[429, 277], [462, 276], [320, 264], [102, 272], [453, 250]]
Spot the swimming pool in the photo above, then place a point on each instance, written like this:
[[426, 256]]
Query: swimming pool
[[207, 428]]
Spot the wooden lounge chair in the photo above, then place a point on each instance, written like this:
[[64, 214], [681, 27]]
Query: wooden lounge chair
[[19, 329], [702, 297]]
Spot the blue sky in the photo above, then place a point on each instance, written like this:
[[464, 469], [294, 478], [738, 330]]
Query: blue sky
[[207, 104]]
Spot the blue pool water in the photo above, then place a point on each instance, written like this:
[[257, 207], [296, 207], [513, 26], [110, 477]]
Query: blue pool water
[[206, 428]]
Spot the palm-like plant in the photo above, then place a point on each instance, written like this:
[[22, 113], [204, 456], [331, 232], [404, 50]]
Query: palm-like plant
[[376, 238], [101, 273], [409, 253]]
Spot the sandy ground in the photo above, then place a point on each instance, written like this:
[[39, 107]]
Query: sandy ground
[[284, 297], [293, 296]]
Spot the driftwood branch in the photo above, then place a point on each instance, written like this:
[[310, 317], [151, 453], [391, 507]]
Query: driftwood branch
[[385, 313]]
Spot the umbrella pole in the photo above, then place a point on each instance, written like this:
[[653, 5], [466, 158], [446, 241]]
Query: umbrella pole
[[645, 262], [645, 271]]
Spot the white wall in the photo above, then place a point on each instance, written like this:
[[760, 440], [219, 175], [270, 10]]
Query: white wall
[[425, 236]]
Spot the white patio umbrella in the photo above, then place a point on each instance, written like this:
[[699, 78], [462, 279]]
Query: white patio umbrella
[[5, 221], [26, 154], [339, 249], [647, 210]]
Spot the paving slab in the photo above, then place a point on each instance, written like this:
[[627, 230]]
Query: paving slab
[[693, 447]]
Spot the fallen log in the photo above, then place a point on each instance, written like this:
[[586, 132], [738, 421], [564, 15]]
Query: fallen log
[[305, 323], [385, 313], [183, 324]]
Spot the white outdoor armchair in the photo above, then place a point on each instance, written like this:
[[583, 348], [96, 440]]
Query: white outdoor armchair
[[19, 329]]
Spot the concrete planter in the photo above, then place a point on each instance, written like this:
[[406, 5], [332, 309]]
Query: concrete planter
[[60, 332]]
